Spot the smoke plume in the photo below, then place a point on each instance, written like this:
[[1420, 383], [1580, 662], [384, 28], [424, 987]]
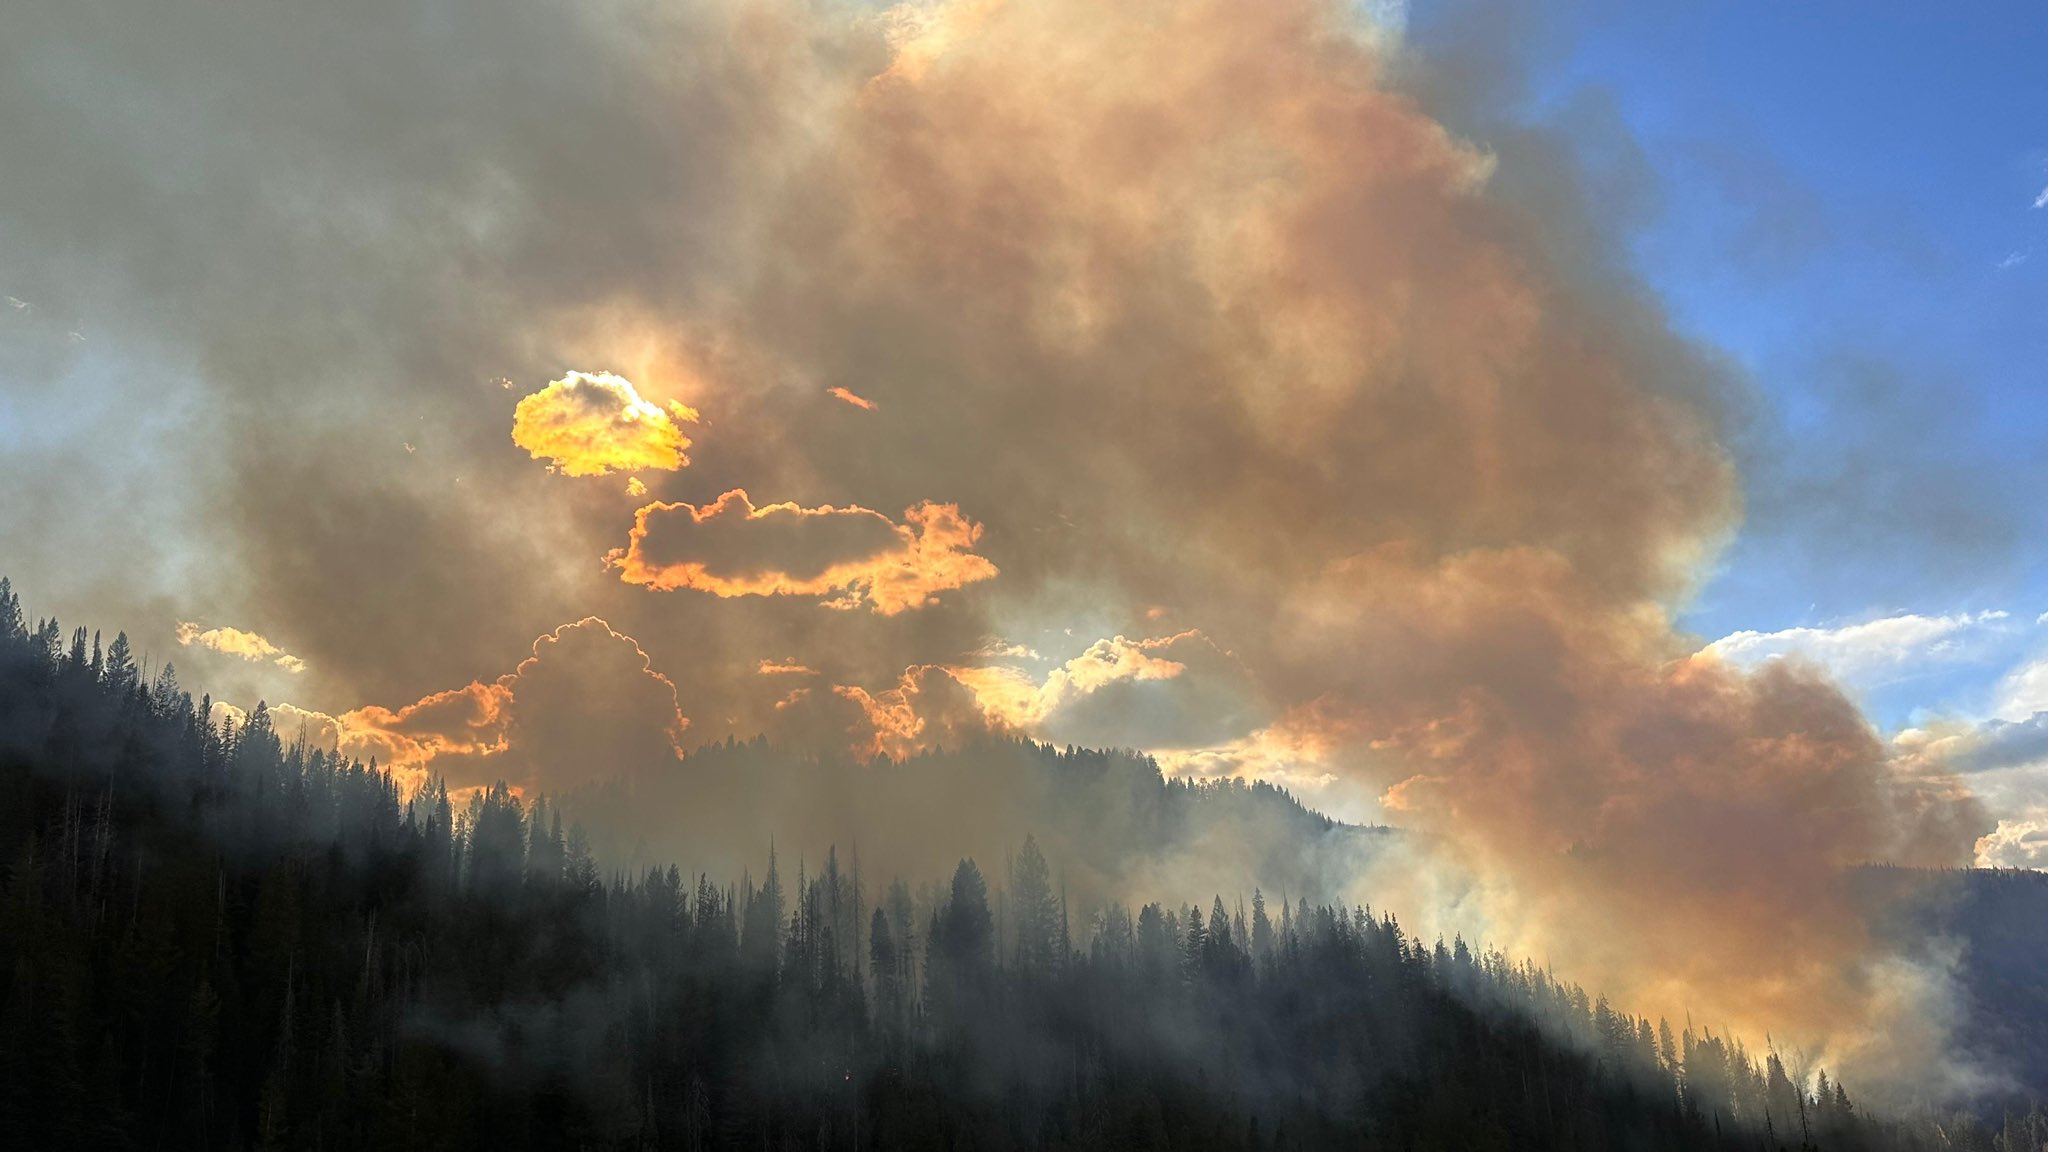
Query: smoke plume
[[1305, 438]]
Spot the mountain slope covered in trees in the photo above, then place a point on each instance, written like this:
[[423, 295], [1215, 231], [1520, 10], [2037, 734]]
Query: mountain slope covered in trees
[[216, 938], [1991, 927], [1114, 824]]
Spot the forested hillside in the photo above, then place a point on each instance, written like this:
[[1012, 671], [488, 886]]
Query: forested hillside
[[216, 938], [1992, 925], [1115, 826]]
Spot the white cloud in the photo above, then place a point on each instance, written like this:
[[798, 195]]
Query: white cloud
[[2004, 762], [2023, 692], [2016, 843], [1872, 652], [2041, 201]]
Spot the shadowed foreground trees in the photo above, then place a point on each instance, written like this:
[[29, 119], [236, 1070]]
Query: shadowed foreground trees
[[210, 938]]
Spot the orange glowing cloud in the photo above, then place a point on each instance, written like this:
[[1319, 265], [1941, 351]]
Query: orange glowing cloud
[[1013, 698], [853, 398], [1295, 751], [596, 423], [588, 700], [235, 642], [1115, 688], [928, 708], [466, 721], [461, 726], [784, 667], [847, 557], [1107, 661], [1159, 693]]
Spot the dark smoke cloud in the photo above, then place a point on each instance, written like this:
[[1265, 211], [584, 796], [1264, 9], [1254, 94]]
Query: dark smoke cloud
[[586, 701]]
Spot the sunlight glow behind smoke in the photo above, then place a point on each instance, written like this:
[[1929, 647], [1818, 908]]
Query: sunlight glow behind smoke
[[594, 424]]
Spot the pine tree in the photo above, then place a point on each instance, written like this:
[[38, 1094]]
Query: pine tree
[[887, 971], [1262, 928], [961, 948], [119, 671], [1036, 912], [760, 935], [13, 627]]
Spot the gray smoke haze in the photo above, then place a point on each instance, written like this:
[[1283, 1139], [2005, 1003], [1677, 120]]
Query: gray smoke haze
[[1217, 397]]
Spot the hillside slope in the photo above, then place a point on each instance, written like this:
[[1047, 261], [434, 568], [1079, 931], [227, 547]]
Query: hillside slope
[[216, 940]]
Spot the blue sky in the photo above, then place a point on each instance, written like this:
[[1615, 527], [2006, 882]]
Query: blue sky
[[1840, 198]]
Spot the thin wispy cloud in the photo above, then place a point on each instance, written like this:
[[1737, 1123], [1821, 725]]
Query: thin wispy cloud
[[853, 398], [1869, 652]]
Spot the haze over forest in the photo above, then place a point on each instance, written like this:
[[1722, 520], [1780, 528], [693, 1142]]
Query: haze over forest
[[933, 540]]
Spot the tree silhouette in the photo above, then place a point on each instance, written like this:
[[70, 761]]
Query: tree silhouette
[[1036, 911]]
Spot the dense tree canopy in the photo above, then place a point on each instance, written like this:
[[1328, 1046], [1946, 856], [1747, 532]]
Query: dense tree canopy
[[216, 938]]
